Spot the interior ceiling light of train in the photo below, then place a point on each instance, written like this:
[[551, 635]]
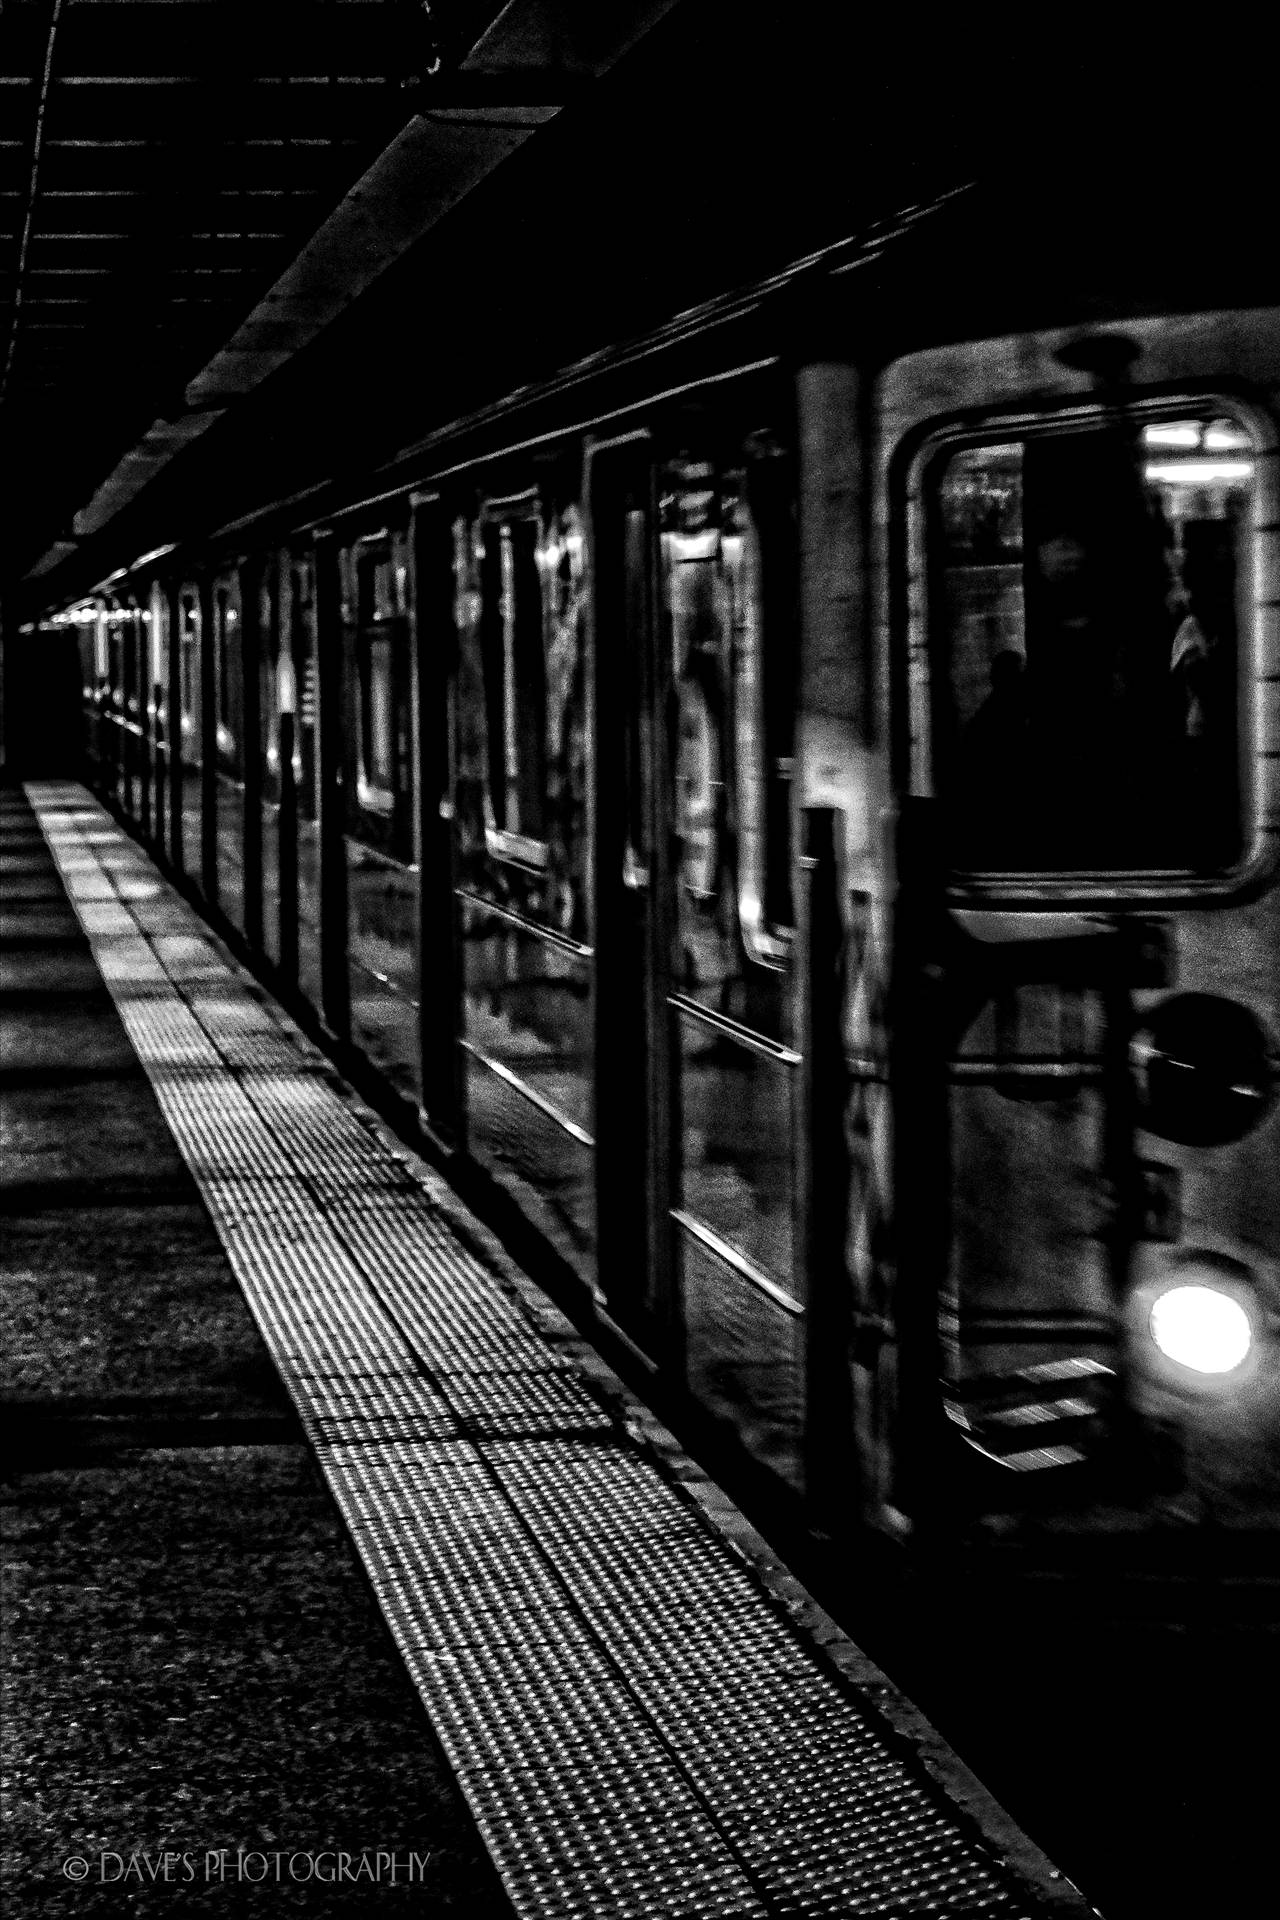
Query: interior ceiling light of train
[[163, 163]]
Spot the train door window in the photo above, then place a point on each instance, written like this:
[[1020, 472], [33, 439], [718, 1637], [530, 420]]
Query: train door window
[[131, 662], [135, 706], [1089, 609], [562, 565], [377, 609], [156, 622], [101, 653], [638, 771], [519, 609], [116, 659], [189, 671], [376, 602], [268, 651], [302, 651], [103, 698], [114, 652], [190, 720], [515, 681], [730, 582], [227, 677], [85, 622]]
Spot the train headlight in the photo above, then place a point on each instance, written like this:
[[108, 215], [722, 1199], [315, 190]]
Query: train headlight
[[1196, 1323], [1202, 1328]]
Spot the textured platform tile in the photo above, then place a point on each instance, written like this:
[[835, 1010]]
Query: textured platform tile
[[637, 1729]]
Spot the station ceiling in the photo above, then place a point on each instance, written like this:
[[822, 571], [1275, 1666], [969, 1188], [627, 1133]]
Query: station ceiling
[[164, 164], [244, 243]]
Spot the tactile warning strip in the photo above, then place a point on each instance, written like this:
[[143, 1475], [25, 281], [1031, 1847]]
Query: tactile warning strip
[[638, 1730]]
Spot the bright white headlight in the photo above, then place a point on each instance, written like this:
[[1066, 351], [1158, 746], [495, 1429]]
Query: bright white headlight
[[1201, 1327]]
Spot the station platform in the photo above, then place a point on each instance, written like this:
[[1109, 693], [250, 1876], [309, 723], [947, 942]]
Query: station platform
[[605, 1697]]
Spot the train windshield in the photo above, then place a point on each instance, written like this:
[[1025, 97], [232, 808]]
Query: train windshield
[[1089, 591]]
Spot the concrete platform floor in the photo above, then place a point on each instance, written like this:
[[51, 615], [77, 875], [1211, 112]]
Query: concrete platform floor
[[193, 1660]]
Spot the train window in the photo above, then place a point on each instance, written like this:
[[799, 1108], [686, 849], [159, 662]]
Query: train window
[[511, 552], [376, 773], [730, 583], [562, 566], [376, 603], [519, 610], [1087, 588]]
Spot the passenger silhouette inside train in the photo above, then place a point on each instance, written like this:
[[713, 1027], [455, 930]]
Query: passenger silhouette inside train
[[1109, 743]]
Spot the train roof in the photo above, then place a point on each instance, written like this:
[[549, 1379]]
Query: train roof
[[1065, 247]]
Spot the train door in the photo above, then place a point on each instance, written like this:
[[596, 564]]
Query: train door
[[519, 838], [110, 696], [255, 627], [435, 647], [380, 839], [227, 815], [130, 712], [696, 649], [1088, 936], [274, 689], [88, 629], [632, 1102], [135, 708], [303, 692], [176, 745], [155, 622]]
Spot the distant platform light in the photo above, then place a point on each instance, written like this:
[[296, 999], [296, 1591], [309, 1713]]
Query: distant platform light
[[1224, 436], [1184, 434], [1200, 473]]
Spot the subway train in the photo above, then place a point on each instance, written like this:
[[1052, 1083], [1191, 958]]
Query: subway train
[[793, 801]]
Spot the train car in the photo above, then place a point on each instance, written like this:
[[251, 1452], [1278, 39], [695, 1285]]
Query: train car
[[794, 800]]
